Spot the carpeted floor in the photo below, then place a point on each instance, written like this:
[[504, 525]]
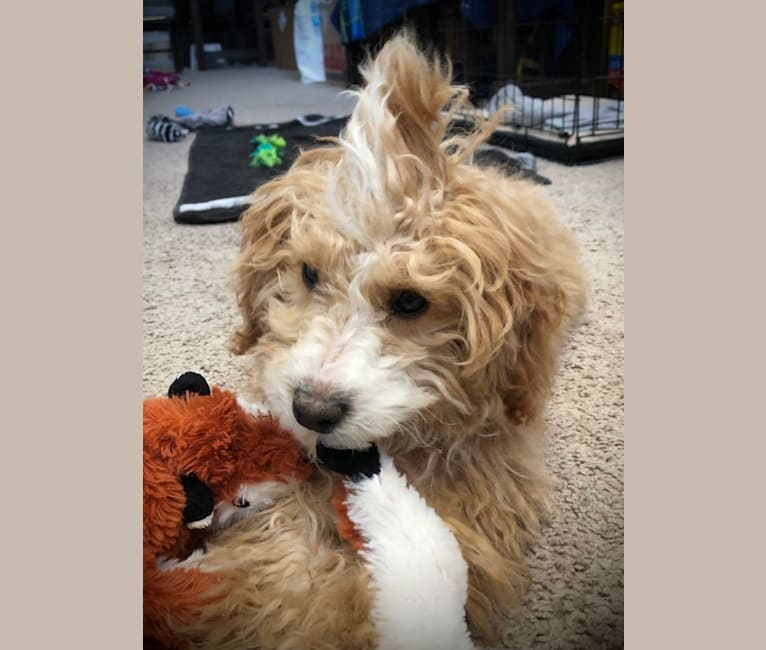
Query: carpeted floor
[[576, 600]]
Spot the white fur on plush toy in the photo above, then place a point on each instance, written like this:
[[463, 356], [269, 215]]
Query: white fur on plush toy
[[418, 571]]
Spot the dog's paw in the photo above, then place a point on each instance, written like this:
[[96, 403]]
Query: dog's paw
[[356, 464]]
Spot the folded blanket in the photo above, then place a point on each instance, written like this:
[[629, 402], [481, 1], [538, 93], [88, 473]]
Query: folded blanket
[[594, 117], [220, 180], [560, 114]]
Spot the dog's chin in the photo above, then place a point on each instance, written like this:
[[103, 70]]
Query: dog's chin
[[308, 439], [305, 437], [344, 442]]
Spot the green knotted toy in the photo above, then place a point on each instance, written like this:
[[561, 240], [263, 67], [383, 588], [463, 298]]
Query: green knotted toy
[[269, 151]]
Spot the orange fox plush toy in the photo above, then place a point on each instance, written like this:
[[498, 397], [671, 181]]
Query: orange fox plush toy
[[208, 461]]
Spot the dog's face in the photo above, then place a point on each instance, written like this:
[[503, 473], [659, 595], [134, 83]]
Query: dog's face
[[385, 282]]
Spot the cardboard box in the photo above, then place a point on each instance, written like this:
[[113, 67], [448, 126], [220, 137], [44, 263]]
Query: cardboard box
[[334, 50], [281, 19]]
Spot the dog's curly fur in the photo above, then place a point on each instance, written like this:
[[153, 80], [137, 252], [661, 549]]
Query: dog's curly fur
[[455, 394]]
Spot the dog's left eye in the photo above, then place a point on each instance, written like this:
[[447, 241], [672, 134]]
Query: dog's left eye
[[408, 304], [310, 276]]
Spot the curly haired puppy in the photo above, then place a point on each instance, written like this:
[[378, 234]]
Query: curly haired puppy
[[392, 292]]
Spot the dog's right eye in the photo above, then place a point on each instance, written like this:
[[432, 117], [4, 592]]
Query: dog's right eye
[[310, 276], [408, 304]]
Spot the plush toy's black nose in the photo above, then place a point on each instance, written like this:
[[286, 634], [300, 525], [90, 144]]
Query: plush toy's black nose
[[319, 412]]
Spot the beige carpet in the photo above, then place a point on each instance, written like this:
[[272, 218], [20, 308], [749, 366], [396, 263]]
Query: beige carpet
[[576, 601]]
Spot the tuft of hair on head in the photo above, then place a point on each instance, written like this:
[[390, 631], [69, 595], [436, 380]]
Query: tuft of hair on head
[[408, 88], [416, 87], [396, 143]]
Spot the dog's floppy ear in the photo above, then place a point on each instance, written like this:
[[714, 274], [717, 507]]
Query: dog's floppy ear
[[553, 297], [539, 339], [518, 285], [265, 228]]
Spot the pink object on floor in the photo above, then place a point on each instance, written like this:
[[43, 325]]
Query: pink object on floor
[[155, 80]]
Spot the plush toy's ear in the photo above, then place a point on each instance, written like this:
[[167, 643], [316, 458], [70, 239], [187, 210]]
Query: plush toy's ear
[[198, 512], [189, 382]]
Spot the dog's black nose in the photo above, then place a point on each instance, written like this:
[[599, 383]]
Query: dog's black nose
[[318, 412]]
